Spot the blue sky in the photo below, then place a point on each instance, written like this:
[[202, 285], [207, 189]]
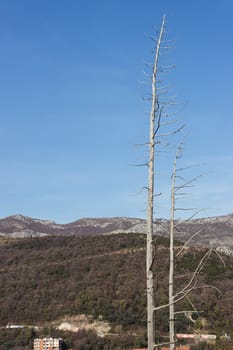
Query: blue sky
[[71, 104]]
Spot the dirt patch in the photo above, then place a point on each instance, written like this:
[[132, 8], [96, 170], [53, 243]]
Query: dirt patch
[[83, 322]]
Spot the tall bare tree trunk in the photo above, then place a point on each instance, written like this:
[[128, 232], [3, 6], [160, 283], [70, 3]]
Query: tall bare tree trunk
[[171, 265], [154, 127]]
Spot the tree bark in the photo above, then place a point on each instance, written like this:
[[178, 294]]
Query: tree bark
[[154, 127], [171, 265]]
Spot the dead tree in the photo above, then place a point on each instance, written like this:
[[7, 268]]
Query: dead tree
[[177, 192], [157, 115], [155, 118], [171, 264], [159, 119]]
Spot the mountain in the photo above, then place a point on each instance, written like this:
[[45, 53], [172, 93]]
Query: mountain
[[208, 232], [24, 226]]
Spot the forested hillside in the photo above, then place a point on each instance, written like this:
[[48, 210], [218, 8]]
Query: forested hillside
[[45, 279]]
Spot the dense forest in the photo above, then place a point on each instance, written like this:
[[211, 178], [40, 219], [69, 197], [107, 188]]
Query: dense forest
[[45, 279]]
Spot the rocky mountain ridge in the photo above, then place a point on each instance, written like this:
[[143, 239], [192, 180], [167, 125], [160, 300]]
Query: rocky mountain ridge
[[211, 232]]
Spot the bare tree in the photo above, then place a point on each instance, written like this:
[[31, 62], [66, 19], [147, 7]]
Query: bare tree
[[178, 190], [155, 119], [157, 123], [175, 191], [171, 264], [157, 115]]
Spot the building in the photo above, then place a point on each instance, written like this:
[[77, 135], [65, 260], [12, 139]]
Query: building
[[47, 343], [197, 338], [180, 347]]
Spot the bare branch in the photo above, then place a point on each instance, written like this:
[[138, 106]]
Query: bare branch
[[140, 191], [220, 257], [189, 218], [168, 67], [157, 194], [186, 243], [180, 177], [195, 273], [170, 122], [172, 132], [190, 166], [141, 144], [185, 209], [141, 165], [187, 183], [184, 311], [188, 291]]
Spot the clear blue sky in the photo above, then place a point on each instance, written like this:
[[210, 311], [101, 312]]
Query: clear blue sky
[[71, 104]]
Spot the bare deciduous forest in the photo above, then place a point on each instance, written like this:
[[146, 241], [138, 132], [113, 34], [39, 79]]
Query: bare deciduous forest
[[44, 279]]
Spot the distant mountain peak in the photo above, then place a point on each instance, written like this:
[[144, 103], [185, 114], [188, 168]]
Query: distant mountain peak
[[214, 231]]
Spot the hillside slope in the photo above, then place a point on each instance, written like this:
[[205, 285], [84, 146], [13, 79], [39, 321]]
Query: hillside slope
[[45, 279]]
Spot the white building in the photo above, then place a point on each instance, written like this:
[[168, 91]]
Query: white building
[[47, 343]]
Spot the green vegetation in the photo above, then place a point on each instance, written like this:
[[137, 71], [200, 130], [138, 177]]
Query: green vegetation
[[44, 279], [23, 340]]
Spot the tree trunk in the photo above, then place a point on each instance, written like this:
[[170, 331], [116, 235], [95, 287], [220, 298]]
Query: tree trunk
[[171, 265], [154, 127]]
